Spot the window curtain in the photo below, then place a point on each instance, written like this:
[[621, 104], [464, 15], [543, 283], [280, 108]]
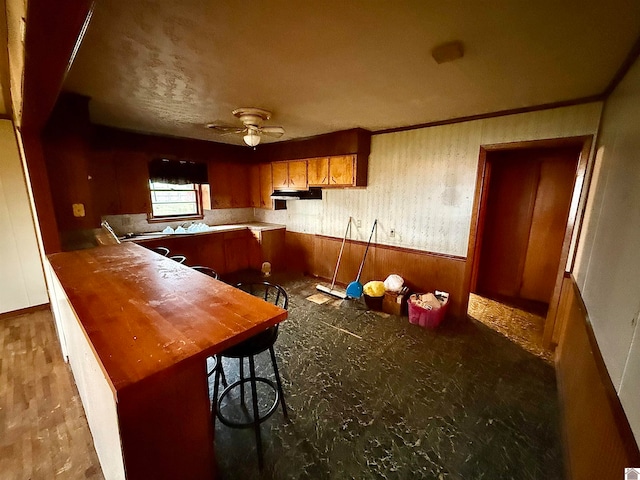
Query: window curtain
[[177, 172]]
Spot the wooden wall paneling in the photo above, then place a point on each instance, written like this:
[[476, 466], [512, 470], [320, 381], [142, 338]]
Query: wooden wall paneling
[[41, 189], [548, 224], [132, 173], [104, 197], [69, 172], [299, 252], [318, 171], [53, 31], [230, 185], [422, 271], [239, 185], [597, 437]]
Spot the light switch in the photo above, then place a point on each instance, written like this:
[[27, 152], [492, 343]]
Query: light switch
[[78, 209]]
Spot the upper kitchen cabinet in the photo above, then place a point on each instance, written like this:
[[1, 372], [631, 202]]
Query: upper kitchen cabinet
[[229, 184], [338, 159], [318, 172], [336, 171], [291, 175]]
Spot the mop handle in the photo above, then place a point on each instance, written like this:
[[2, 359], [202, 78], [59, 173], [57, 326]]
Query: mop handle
[[344, 239], [366, 249]]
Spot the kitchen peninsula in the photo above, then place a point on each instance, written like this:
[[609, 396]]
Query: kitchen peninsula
[[137, 329]]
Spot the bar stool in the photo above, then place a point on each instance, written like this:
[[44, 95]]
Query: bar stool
[[259, 343], [178, 258], [164, 251], [213, 274], [207, 271]]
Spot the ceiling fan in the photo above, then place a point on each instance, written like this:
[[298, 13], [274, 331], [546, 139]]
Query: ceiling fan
[[252, 130]]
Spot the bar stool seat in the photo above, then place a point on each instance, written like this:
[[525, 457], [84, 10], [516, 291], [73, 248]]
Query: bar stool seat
[[248, 349]]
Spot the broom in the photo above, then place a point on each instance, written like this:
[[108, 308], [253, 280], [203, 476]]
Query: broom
[[331, 290]]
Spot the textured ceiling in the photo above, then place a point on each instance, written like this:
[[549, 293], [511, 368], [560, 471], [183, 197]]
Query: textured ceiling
[[169, 67]]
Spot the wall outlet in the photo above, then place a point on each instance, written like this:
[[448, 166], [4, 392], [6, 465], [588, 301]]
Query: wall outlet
[[127, 221], [358, 223], [392, 232], [78, 209]]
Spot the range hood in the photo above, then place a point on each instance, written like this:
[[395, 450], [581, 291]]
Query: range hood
[[314, 193]]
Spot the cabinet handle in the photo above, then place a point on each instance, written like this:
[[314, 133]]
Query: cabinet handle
[[291, 181], [324, 179], [333, 179]]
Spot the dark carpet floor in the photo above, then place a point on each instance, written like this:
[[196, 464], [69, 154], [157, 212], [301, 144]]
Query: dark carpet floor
[[377, 397]]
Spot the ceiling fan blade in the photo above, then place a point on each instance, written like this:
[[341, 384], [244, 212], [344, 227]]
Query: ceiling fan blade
[[225, 129], [276, 132]]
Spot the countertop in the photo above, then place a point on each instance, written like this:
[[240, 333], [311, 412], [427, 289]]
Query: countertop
[[254, 226], [144, 313]]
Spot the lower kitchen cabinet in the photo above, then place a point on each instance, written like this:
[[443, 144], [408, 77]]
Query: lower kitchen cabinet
[[226, 252]]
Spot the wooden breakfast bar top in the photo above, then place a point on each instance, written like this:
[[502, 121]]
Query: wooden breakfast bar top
[[151, 323], [144, 312]]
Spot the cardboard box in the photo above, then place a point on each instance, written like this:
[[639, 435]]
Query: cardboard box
[[395, 303]]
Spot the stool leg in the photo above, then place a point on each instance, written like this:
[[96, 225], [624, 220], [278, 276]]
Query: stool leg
[[223, 376], [256, 413], [214, 401], [278, 382], [241, 360]]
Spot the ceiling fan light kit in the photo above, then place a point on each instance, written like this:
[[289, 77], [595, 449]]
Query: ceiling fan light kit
[[252, 138], [253, 130]]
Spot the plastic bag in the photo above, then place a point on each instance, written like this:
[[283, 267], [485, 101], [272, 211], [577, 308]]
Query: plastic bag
[[374, 289], [393, 283]]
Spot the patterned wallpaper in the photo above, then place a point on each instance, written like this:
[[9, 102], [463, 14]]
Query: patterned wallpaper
[[422, 182]]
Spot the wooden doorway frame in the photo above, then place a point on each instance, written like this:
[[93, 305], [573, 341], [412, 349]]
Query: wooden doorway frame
[[576, 211]]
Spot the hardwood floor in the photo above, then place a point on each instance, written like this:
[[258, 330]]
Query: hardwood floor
[[523, 327], [43, 429]]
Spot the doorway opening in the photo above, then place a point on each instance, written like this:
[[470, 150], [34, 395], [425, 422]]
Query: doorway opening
[[526, 204]]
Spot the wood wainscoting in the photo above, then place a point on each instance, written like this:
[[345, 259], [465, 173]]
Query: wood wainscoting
[[422, 271], [598, 440]]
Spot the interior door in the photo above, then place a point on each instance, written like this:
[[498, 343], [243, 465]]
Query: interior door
[[525, 217]]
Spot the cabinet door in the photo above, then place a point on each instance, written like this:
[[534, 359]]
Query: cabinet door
[[266, 187], [318, 171], [298, 174], [237, 246], [254, 185], [341, 170], [280, 171]]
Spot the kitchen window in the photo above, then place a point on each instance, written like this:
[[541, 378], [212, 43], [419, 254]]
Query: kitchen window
[[178, 189], [169, 200]]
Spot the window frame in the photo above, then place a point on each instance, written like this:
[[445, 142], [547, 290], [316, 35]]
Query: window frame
[[200, 191]]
